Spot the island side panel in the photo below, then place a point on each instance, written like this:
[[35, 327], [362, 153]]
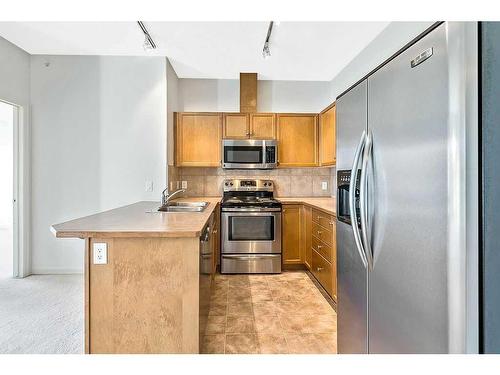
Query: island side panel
[[145, 299], [86, 291]]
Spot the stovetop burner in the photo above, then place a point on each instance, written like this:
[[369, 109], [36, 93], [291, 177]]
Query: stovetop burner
[[238, 194]]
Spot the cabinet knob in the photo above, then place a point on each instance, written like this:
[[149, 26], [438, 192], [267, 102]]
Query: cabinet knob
[[319, 232], [319, 247], [331, 223], [319, 269]]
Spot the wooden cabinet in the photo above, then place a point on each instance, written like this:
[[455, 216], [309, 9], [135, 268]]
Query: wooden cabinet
[[249, 126], [198, 139], [298, 140], [291, 234], [216, 238], [307, 220], [262, 125], [327, 151], [309, 238], [322, 271], [324, 251], [236, 125]]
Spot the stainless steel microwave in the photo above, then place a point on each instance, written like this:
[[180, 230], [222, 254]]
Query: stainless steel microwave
[[249, 153]]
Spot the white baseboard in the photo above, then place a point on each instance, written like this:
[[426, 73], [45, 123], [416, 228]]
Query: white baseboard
[[57, 271]]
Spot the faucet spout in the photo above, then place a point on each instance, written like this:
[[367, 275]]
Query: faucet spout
[[166, 197]]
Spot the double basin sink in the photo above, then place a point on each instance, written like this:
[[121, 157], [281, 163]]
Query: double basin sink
[[184, 207]]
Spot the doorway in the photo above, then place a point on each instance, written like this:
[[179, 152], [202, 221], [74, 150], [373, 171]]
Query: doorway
[[8, 171]]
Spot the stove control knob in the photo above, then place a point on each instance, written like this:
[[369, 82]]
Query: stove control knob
[[230, 184]]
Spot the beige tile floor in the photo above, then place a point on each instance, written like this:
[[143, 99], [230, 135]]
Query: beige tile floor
[[285, 313]]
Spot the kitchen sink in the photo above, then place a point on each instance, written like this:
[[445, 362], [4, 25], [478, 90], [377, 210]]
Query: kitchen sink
[[184, 207]]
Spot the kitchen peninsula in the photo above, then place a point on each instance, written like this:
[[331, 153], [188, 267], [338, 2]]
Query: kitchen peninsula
[[145, 297]]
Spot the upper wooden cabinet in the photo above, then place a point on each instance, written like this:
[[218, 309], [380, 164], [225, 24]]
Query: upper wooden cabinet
[[327, 136], [263, 125], [198, 139], [298, 140], [236, 125], [253, 126]]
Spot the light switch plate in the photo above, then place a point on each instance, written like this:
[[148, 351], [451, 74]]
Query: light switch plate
[[100, 253], [148, 186], [184, 184], [324, 185]]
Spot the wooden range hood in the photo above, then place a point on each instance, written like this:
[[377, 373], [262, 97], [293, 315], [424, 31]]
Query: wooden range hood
[[248, 92]]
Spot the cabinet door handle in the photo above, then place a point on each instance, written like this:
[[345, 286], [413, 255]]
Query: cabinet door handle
[[318, 218], [319, 232], [331, 223], [319, 269], [319, 247]]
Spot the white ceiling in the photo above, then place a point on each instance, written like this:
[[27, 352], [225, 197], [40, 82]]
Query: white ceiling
[[311, 51]]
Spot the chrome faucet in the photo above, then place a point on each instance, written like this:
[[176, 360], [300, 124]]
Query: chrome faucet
[[166, 197]]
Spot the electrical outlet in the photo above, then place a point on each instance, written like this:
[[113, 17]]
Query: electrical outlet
[[171, 185], [184, 184], [324, 185], [100, 253], [148, 186], [178, 185]]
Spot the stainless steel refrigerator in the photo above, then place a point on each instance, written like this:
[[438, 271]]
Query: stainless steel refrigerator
[[399, 210]]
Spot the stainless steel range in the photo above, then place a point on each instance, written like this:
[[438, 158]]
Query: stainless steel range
[[251, 227]]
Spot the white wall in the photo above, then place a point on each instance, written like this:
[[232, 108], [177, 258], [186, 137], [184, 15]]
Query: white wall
[[388, 42], [172, 106], [98, 134], [223, 95], [14, 74], [15, 88]]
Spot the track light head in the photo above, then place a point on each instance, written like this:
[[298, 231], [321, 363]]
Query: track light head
[[266, 52]]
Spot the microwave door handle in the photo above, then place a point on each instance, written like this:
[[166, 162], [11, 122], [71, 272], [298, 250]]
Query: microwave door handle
[[352, 199], [363, 201]]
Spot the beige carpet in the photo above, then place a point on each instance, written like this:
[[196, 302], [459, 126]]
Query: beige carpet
[[41, 314]]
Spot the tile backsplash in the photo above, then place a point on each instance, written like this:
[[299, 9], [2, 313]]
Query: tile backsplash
[[289, 182]]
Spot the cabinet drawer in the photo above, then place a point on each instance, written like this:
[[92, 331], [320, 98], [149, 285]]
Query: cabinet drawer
[[323, 234], [322, 271], [322, 248], [325, 220]]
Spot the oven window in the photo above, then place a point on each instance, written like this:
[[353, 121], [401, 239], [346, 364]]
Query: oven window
[[243, 154], [251, 228]]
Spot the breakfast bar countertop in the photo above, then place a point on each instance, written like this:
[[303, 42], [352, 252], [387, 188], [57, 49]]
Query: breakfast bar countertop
[[139, 219]]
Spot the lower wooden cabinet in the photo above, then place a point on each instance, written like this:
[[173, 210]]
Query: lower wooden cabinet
[[322, 271], [309, 238], [216, 238], [291, 234], [307, 221]]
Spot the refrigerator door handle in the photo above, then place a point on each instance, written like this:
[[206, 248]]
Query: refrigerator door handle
[[352, 199], [363, 201]]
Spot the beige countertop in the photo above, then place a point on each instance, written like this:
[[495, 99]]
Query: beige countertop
[[326, 204], [140, 219]]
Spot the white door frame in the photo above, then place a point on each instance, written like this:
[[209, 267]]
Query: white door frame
[[21, 192]]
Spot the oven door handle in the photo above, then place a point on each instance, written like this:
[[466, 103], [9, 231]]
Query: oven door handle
[[251, 209], [247, 257]]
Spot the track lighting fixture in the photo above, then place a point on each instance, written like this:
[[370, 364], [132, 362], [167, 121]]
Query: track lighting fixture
[[266, 51], [149, 43]]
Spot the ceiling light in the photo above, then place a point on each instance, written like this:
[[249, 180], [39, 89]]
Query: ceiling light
[[149, 43], [266, 51]]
